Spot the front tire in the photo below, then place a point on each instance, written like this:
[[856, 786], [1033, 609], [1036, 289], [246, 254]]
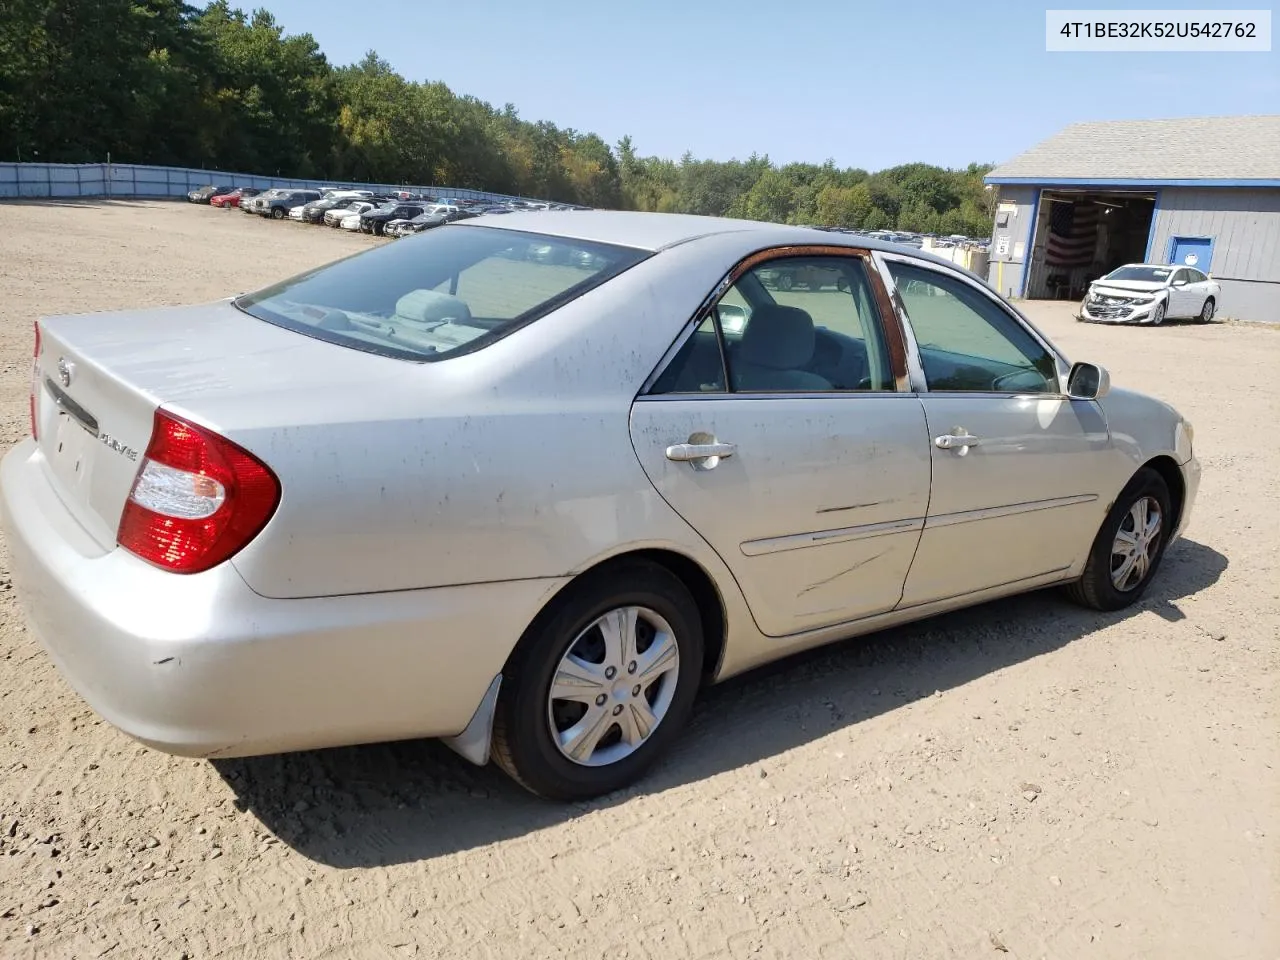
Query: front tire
[[599, 688], [1157, 315], [1129, 546], [278, 213]]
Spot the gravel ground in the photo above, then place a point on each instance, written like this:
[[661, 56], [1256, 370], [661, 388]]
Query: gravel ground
[[1025, 779]]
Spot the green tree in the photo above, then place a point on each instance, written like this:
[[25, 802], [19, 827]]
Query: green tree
[[159, 81]]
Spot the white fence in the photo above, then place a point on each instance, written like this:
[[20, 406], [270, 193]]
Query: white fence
[[133, 180]]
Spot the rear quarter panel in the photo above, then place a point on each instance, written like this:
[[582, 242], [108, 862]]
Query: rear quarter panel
[[514, 462]]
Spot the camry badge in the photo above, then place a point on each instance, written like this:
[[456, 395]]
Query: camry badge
[[66, 371]]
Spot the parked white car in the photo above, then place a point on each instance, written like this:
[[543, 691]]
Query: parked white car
[[295, 213], [1151, 293], [334, 218], [352, 219]]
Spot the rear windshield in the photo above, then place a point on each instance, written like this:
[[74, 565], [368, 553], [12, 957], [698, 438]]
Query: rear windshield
[[1152, 274], [445, 292]]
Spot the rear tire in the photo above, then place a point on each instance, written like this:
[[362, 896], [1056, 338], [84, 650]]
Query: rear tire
[[1206, 312], [533, 732], [1105, 585]]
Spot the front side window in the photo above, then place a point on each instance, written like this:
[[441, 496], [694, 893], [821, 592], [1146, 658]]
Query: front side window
[[439, 293], [795, 324], [967, 341]]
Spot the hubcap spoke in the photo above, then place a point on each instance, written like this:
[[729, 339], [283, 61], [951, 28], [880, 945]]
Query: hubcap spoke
[[661, 657], [1126, 543], [1153, 527], [637, 722], [618, 627], [578, 680], [1121, 575], [1139, 513], [579, 741]]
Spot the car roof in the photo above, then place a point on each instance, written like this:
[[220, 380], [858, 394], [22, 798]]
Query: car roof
[[658, 231]]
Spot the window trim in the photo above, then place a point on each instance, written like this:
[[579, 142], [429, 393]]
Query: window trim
[[890, 328], [1062, 365]]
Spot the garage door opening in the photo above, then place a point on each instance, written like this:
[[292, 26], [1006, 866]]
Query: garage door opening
[[1080, 235]]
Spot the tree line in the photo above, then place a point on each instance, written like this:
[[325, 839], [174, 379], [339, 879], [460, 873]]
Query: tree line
[[163, 82]]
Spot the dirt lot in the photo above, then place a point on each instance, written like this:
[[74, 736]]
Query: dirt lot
[[1027, 779]]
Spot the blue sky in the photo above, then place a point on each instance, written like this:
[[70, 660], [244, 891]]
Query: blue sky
[[866, 84]]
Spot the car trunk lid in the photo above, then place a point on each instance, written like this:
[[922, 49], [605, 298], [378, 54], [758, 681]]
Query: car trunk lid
[[101, 377]]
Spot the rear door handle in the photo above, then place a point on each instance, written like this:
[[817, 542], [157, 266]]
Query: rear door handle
[[690, 452]]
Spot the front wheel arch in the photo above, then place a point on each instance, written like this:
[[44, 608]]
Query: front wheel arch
[[1171, 473]]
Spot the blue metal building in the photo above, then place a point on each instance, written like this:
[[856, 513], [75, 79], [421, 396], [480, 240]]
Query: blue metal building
[[1203, 192]]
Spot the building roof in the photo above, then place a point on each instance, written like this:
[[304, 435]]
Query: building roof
[[1217, 151]]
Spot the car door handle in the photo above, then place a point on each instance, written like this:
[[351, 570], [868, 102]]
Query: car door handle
[[687, 452], [955, 441]]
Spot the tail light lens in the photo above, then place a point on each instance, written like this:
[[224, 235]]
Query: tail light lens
[[198, 498], [35, 384]]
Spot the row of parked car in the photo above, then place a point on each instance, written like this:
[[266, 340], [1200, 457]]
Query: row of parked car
[[393, 215]]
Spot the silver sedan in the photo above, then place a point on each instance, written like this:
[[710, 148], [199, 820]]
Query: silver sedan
[[525, 483]]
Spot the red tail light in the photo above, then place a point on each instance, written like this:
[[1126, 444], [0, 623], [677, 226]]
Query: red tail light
[[198, 498], [35, 383]]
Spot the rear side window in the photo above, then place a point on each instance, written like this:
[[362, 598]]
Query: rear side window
[[441, 293]]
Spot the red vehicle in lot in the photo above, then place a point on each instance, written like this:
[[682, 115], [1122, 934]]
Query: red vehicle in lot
[[233, 198]]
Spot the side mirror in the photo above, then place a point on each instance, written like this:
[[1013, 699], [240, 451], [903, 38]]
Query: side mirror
[[733, 319], [1179, 283], [1088, 381]]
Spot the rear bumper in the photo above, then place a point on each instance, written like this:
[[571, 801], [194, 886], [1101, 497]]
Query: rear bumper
[[203, 666]]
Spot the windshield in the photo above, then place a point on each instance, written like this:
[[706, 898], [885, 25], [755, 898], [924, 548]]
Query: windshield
[[445, 292], [1149, 274]]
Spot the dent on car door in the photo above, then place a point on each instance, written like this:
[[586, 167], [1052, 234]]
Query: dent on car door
[[1019, 470], [778, 431]]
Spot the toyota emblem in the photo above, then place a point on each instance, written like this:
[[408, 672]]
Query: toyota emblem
[[66, 370]]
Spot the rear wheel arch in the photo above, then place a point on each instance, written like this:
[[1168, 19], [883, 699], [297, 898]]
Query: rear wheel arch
[[689, 572]]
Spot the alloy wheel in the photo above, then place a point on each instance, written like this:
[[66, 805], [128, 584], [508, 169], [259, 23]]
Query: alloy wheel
[[1136, 544], [613, 686]]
